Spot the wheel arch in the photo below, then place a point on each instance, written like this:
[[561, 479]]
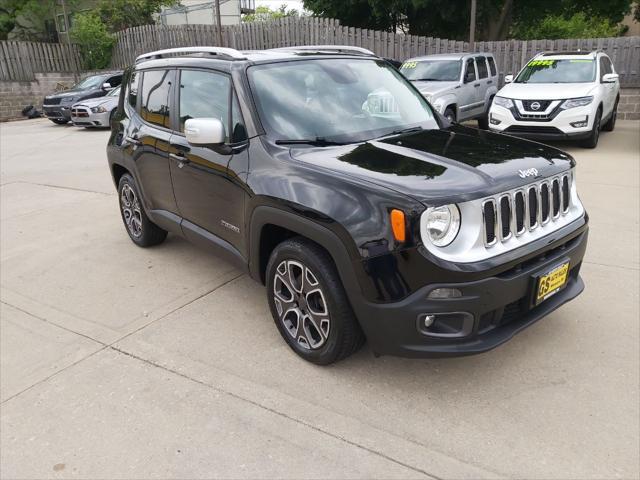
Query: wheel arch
[[117, 171], [269, 226]]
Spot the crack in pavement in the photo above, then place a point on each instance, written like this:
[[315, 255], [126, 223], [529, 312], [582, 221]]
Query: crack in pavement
[[50, 185], [278, 413], [104, 345]]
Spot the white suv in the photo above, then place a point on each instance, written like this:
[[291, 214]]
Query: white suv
[[568, 95]]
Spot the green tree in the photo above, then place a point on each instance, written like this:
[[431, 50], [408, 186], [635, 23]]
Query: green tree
[[557, 26], [95, 42], [265, 14], [450, 18], [25, 19], [120, 14]]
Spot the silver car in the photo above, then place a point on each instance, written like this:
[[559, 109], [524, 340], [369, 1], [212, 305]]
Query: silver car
[[461, 86], [95, 112]]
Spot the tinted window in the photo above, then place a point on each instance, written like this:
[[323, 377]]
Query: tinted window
[[204, 95], [492, 66], [156, 85], [115, 80], [605, 66], [132, 94], [482, 67], [470, 71]]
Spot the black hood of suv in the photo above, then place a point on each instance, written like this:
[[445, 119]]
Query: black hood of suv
[[442, 165]]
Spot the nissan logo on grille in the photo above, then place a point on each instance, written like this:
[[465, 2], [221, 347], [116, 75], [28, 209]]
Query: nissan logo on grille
[[530, 172], [535, 106]]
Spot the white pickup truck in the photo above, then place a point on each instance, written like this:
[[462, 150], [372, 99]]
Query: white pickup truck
[[461, 86]]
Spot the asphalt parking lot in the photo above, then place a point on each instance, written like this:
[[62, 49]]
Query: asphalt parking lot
[[120, 362]]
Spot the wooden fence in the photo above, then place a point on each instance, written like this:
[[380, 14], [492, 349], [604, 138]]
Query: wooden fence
[[510, 54], [20, 60]]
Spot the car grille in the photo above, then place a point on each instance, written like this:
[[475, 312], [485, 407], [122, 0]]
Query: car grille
[[544, 104], [79, 112], [519, 212], [533, 129], [52, 101]]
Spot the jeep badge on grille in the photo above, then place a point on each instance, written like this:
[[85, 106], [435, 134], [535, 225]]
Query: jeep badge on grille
[[530, 172]]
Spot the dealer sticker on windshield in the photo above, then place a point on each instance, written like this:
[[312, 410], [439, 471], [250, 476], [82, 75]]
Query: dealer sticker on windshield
[[552, 282]]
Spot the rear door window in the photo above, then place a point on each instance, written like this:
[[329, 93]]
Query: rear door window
[[482, 67], [492, 66], [156, 85]]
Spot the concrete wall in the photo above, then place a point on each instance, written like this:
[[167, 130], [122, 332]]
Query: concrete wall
[[14, 96], [629, 106]]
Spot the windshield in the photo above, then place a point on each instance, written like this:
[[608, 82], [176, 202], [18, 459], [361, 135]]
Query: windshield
[[338, 100], [432, 70], [89, 82], [575, 70], [114, 93]]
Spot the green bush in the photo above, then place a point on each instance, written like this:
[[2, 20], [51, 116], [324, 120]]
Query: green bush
[[95, 42], [557, 26]]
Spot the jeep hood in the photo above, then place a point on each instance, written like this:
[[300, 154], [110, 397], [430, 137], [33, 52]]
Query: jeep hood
[[434, 88], [442, 165], [545, 91], [68, 93]]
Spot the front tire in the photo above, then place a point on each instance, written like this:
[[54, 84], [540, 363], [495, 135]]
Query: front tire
[[59, 121], [308, 303], [142, 231], [450, 114], [592, 140]]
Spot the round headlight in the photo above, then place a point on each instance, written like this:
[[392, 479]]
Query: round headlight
[[441, 224]]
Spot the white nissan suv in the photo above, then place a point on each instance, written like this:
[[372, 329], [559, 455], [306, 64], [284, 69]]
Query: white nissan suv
[[568, 95]]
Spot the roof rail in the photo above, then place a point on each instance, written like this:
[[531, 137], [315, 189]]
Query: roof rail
[[328, 48], [229, 53]]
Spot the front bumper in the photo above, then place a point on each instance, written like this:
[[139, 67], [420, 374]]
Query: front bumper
[[559, 127], [82, 116], [490, 312], [57, 112]]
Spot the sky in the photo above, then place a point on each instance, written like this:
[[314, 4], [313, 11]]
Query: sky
[[297, 4]]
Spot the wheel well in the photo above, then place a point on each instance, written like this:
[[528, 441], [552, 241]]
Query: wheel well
[[270, 237], [118, 171]]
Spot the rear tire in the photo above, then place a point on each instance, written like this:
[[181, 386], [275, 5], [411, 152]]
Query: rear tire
[[592, 140], [59, 122], [611, 123], [483, 121], [142, 231], [308, 303]]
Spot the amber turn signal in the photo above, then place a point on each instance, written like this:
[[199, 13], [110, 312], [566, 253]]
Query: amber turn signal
[[398, 225]]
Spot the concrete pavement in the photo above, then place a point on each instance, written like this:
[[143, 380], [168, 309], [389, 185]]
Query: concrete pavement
[[121, 362]]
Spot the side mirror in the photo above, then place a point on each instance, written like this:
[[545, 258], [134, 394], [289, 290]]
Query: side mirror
[[609, 78], [204, 131], [508, 78], [106, 86]]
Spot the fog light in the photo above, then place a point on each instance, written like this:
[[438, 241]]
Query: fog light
[[581, 123], [493, 120], [428, 320], [440, 293]]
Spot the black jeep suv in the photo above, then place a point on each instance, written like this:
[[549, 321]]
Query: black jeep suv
[[326, 176], [57, 107]]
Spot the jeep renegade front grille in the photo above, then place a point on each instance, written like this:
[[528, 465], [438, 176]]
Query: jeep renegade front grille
[[518, 212]]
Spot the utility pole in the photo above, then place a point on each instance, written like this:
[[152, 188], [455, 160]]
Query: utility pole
[[472, 26], [218, 21]]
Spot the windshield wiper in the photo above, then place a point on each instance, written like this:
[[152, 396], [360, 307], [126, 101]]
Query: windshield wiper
[[405, 130], [430, 80], [318, 142]]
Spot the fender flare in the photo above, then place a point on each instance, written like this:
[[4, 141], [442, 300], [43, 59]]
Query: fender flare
[[264, 215]]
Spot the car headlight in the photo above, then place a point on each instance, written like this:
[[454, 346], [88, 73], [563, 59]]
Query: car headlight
[[503, 102], [576, 102], [440, 225], [99, 109]]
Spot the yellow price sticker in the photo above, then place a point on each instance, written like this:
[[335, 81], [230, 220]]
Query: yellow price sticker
[[409, 65], [541, 63]]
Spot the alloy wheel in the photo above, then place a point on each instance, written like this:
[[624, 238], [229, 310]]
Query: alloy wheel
[[131, 211], [301, 305]]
